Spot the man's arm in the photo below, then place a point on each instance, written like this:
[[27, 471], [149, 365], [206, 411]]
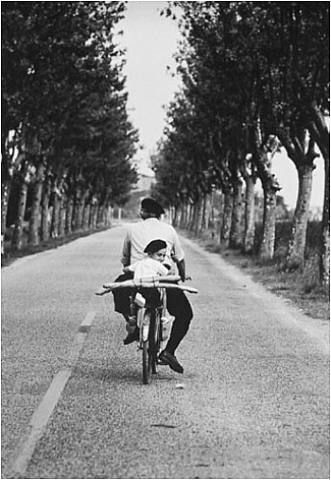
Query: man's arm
[[178, 256], [126, 252], [181, 269]]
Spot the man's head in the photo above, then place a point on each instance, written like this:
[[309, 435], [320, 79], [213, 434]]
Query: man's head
[[156, 249], [150, 208]]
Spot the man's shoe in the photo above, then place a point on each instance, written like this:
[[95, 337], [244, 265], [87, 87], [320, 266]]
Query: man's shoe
[[171, 360], [131, 337]]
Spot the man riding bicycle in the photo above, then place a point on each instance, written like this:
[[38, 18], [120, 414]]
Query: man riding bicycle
[[138, 236]]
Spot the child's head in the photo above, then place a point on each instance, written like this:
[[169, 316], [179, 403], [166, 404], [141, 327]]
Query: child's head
[[157, 250]]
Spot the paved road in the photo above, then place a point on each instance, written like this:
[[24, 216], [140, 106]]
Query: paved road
[[255, 402]]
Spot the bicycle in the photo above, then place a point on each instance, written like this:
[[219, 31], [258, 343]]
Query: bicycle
[[148, 316]]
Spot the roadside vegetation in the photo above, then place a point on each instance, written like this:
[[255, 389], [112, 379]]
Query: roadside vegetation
[[301, 286]]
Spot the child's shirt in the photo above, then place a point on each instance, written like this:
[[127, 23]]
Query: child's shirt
[[147, 267]]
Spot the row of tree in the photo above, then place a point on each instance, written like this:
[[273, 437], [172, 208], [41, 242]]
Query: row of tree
[[255, 79], [66, 140]]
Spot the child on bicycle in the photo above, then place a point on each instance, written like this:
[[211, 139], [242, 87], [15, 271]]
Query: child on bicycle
[[151, 266], [153, 263]]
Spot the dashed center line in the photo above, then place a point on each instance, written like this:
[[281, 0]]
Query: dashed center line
[[48, 403]]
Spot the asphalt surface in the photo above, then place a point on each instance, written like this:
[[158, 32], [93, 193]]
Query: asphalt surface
[[253, 401]]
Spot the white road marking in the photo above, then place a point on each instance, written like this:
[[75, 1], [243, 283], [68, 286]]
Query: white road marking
[[47, 405]]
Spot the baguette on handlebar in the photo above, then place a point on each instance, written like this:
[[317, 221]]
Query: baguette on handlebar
[[154, 282], [151, 280]]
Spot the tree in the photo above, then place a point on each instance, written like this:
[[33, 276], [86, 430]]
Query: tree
[[253, 71], [65, 50]]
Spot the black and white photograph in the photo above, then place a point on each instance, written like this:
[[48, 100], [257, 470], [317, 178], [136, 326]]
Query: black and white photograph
[[165, 240]]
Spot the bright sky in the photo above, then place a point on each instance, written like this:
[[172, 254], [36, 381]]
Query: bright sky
[[151, 41]]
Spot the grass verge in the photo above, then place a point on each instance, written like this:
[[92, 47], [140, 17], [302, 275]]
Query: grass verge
[[301, 288]]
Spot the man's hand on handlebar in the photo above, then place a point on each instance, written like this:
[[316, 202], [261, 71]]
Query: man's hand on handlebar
[[185, 278]]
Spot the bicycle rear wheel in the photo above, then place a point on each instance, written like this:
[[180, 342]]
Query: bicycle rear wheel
[[147, 362], [155, 336], [151, 344]]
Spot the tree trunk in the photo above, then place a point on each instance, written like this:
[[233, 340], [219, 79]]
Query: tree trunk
[[193, 214], [319, 130], [190, 211], [96, 216], [93, 216], [5, 192], [237, 232], [45, 214], [206, 212], [249, 214], [55, 217], [69, 213], [90, 216], [96, 210], [325, 234], [203, 214], [227, 218], [101, 218], [35, 218], [220, 211], [190, 214], [17, 241], [100, 215], [211, 220], [62, 216], [199, 217], [109, 216], [300, 149], [267, 247], [185, 215], [193, 211], [79, 208], [297, 242], [182, 213], [86, 217], [263, 161], [175, 216]]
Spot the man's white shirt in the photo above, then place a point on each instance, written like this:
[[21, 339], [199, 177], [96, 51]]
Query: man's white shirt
[[140, 234]]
